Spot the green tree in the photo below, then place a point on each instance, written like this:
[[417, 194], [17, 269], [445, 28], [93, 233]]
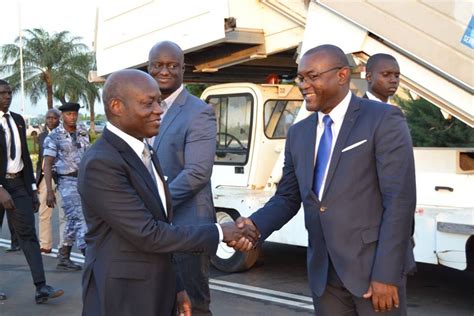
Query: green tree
[[54, 65], [75, 88], [429, 128], [196, 89]]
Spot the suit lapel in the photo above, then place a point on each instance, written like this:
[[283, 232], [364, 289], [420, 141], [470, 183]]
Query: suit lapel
[[169, 209], [3, 150], [137, 164], [349, 120], [309, 150], [170, 116]]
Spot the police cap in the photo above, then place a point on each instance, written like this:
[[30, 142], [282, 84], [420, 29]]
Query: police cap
[[69, 107]]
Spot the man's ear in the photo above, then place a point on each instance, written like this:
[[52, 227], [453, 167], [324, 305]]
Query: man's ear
[[344, 75], [116, 107], [368, 77]]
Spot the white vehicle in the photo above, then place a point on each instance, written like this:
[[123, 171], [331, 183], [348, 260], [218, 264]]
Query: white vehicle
[[252, 122], [246, 40]]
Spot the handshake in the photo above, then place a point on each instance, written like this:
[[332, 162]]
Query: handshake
[[241, 235]]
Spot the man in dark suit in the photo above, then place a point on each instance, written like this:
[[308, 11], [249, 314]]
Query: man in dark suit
[[18, 191], [186, 146], [382, 76], [129, 266], [45, 212], [351, 165]]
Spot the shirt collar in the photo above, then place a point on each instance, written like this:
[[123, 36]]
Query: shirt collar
[[137, 145], [3, 113], [172, 97], [338, 112], [372, 97]]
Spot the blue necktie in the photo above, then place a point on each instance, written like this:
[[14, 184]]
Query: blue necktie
[[324, 151]]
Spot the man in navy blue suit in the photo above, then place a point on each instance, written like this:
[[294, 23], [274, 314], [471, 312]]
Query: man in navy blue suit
[[357, 186]]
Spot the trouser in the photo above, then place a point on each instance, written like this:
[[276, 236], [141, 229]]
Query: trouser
[[13, 238], [23, 221], [44, 216], [194, 271], [337, 300], [75, 227]]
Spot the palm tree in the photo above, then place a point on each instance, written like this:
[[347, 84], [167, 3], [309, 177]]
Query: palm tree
[[54, 65], [73, 87]]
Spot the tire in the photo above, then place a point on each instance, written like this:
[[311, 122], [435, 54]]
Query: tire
[[226, 258]]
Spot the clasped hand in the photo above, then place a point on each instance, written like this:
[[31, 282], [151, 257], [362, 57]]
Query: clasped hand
[[241, 235]]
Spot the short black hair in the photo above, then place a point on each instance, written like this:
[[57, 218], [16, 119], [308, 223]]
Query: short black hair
[[3, 83], [377, 58], [334, 51]]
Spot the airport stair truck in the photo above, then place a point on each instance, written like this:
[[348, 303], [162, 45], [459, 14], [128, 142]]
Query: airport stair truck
[[436, 64]]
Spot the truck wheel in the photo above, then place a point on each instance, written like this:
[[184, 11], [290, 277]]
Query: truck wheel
[[226, 258]]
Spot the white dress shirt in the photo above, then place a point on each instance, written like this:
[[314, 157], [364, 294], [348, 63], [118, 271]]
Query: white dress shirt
[[13, 165], [165, 106], [138, 147], [337, 116], [374, 98]]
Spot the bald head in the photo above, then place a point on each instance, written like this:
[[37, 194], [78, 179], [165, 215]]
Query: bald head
[[131, 102], [119, 84], [166, 45], [166, 66]]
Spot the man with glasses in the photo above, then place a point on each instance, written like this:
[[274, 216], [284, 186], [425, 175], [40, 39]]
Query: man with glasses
[[63, 151], [351, 165]]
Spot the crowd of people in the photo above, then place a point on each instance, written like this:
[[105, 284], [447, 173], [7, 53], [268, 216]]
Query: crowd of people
[[138, 202]]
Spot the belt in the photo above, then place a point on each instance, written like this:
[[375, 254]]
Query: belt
[[13, 175], [71, 174]]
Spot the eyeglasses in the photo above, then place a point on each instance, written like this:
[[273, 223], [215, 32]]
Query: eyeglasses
[[314, 76]]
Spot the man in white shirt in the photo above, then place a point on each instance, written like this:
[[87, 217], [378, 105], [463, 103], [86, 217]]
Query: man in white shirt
[[351, 166], [129, 266], [18, 194]]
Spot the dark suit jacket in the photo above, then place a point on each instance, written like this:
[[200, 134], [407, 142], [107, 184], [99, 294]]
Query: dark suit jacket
[[39, 164], [128, 268], [186, 146], [28, 176], [363, 222]]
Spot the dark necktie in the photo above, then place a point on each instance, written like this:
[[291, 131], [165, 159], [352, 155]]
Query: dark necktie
[[12, 137], [324, 152]]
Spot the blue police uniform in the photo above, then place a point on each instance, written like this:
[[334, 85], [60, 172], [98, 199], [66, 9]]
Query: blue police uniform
[[68, 149]]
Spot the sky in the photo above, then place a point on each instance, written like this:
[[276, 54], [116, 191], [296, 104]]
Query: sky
[[77, 17]]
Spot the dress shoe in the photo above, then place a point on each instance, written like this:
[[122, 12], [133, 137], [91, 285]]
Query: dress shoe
[[45, 250], [3, 296], [13, 249], [46, 292]]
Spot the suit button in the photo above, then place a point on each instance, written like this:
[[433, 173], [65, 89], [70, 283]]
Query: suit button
[[323, 208]]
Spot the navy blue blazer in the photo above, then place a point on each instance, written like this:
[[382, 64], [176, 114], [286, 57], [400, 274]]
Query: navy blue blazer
[[363, 222]]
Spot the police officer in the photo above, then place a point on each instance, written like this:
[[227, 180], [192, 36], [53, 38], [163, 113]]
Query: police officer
[[63, 150]]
